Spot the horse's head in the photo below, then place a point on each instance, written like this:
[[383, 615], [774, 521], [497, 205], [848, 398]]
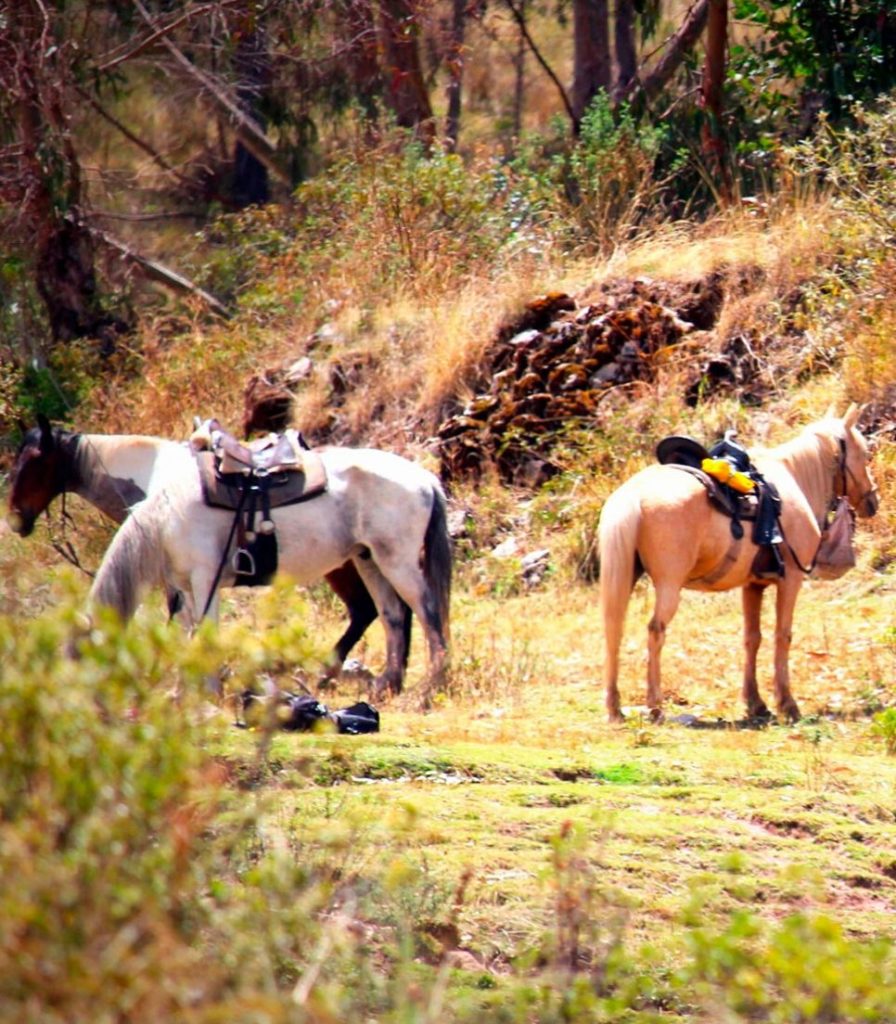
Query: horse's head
[[36, 477], [857, 482]]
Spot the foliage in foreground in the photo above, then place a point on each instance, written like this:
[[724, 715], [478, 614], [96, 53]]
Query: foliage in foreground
[[145, 880]]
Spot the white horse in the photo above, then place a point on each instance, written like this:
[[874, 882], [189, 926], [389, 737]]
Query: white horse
[[381, 512], [116, 471]]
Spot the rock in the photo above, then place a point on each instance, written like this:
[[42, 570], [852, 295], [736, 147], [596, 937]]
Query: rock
[[549, 367], [506, 549]]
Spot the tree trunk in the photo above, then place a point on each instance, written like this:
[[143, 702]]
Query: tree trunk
[[361, 53], [715, 150], [455, 73], [251, 64], [519, 82], [626, 53], [591, 54], [405, 87], [49, 180]]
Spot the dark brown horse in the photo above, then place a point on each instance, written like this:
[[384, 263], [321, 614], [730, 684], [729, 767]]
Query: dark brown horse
[[114, 472], [661, 522]]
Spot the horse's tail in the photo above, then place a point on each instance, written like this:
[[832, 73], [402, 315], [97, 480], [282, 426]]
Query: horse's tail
[[437, 561], [133, 561], [619, 569]]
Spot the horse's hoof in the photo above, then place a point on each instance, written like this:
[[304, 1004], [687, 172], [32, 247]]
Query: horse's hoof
[[385, 686], [760, 714], [615, 717], [656, 716], [790, 712]]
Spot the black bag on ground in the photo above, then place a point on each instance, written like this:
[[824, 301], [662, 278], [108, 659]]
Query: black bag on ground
[[360, 717]]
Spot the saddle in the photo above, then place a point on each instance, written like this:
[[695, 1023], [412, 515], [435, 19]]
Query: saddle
[[245, 478], [737, 489]]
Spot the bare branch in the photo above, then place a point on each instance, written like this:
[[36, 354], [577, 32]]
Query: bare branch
[[164, 30], [247, 131], [153, 154], [521, 21], [643, 88], [159, 272]]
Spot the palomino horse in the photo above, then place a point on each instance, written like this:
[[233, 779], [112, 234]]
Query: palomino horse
[[381, 512], [115, 471], [661, 522]]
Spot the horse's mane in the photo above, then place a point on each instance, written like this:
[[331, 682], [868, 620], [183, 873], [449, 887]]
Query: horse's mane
[[811, 458]]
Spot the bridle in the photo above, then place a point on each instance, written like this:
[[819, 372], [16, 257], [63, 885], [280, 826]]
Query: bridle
[[60, 541], [62, 545], [847, 474]]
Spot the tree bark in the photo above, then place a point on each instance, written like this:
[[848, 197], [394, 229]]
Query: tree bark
[[626, 53], [405, 87], [251, 64], [49, 179], [361, 55], [591, 54], [455, 73], [715, 149], [519, 80]]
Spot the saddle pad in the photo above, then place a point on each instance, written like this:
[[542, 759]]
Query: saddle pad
[[283, 488]]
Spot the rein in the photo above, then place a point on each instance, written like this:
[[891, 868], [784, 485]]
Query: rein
[[63, 546], [216, 582]]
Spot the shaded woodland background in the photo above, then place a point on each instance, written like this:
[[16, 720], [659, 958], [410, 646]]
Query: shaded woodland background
[[127, 127]]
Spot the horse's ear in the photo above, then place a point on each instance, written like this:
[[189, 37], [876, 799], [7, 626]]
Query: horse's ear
[[852, 416], [46, 432], [831, 413]]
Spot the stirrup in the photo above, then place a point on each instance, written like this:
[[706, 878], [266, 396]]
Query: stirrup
[[240, 554]]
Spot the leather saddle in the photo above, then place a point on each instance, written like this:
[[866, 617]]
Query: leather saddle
[[281, 467], [761, 506]]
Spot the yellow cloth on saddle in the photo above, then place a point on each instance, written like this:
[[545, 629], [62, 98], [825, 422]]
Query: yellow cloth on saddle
[[725, 473]]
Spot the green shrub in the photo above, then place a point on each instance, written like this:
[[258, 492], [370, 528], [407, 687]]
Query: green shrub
[[136, 894], [803, 970], [394, 216], [595, 192], [884, 726], [855, 165]]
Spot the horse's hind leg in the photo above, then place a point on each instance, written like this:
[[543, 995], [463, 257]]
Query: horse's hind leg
[[393, 614], [785, 601], [668, 596], [409, 582], [348, 586], [751, 599]]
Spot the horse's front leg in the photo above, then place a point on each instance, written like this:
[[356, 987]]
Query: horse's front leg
[[199, 601], [785, 602], [751, 596], [668, 596]]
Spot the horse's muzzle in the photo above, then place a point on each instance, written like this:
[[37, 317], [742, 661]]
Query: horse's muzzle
[[20, 522], [869, 505]]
